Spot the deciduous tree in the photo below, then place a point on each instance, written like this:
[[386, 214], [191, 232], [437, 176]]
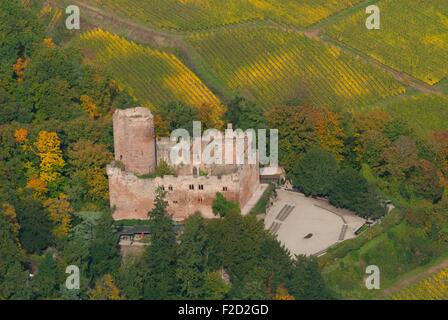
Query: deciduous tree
[[49, 150], [296, 132], [105, 289], [314, 172], [222, 207]]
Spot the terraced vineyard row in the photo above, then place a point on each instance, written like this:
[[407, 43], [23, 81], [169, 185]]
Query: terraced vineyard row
[[413, 37], [424, 113], [152, 76], [204, 14], [274, 67], [432, 288]]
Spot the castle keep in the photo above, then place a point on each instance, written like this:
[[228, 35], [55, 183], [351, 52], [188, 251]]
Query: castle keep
[[132, 183]]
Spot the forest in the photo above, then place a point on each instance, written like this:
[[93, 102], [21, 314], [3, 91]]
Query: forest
[[56, 140]]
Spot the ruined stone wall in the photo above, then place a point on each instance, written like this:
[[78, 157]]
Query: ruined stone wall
[[133, 197], [134, 140], [248, 184]]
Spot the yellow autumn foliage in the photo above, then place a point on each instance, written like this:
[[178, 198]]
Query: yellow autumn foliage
[[90, 107], [19, 68], [98, 183], [10, 213], [38, 186], [60, 211], [271, 67], [21, 135], [48, 147], [105, 289], [48, 42]]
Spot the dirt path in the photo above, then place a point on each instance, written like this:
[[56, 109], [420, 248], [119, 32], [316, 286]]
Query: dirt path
[[96, 17], [406, 282]]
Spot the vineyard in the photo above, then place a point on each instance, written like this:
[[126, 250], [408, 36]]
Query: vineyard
[[432, 288], [190, 15], [155, 78], [424, 113], [419, 28], [274, 67]]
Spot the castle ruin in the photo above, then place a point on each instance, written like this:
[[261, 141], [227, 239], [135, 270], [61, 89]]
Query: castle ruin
[[193, 188]]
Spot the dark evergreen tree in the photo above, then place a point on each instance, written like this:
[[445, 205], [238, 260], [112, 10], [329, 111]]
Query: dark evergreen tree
[[131, 278], [160, 255], [306, 282], [104, 251], [191, 262], [14, 283], [253, 286], [351, 191], [46, 282], [35, 232]]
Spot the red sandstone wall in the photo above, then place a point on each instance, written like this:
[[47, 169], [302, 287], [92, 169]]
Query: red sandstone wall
[[249, 182], [134, 140], [133, 197]]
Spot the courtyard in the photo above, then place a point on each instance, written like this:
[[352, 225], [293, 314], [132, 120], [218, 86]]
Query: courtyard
[[309, 226]]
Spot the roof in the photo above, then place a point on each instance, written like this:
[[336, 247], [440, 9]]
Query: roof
[[127, 230], [139, 229]]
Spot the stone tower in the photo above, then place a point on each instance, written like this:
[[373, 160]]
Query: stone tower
[[134, 140]]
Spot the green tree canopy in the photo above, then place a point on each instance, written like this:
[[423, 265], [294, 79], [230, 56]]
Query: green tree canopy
[[160, 255], [14, 282], [351, 191], [306, 282], [176, 115], [191, 262], [222, 207], [244, 114], [314, 172], [46, 282], [104, 251], [35, 232]]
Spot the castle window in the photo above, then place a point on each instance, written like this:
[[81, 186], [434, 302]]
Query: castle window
[[225, 189], [121, 157], [200, 200], [163, 188], [170, 188], [201, 187], [175, 202], [191, 187]]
